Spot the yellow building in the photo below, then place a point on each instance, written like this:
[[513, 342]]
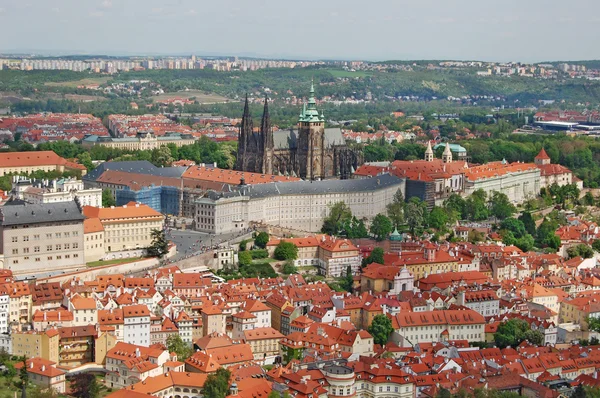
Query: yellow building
[[264, 343], [578, 309], [104, 343], [127, 227], [76, 345], [36, 344]]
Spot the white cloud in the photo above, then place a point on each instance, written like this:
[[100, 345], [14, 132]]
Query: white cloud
[[106, 4]]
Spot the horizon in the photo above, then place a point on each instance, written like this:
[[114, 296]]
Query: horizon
[[66, 54]]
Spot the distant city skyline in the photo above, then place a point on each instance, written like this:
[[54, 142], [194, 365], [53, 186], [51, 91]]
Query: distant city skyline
[[532, 31]]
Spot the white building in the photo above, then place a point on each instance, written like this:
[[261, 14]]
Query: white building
[[61, 190], [41, 237], [136, 325], [127, 364], [301, 205], [485, 302], [4, 311], [519, 181]]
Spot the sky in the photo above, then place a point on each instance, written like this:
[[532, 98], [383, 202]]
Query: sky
[[508, 30]]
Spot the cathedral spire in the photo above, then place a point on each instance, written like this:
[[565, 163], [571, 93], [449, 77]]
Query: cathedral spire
[[310, 112], [246, 128], [265, 126]]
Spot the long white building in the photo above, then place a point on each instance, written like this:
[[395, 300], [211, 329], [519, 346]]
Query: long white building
[[54, 191], [301, 205]]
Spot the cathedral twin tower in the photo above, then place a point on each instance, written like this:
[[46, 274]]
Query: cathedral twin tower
[[310, 152], [255, 150]]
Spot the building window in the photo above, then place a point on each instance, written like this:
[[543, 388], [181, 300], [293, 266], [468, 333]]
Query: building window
[[15, 251], [15, 239], [26, 238]]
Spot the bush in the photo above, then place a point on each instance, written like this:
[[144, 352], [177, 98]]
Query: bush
[[243, 245], [289, 268], [244, 258], [259, 253], [261, 240]]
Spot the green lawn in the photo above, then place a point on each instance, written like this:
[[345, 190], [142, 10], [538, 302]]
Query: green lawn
[[111, 262], [82, 82]]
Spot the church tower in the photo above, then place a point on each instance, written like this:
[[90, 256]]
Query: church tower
[[245, 134], [447, 155], [311, 141], [542, 158], [266, 133], [429, 152]]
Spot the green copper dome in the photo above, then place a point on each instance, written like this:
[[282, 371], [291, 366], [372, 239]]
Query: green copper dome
[[395, 236], [310, 114]]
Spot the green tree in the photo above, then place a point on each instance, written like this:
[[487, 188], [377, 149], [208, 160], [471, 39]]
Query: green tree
[[588, 199], [381, 227], [438, 218], [508, 238], [525, 243], [395, 210], [501, 206], [476, 206], [443, 393], [159, 246], [415, 213], [243, 245], [289, 268], [181, 348], [85, 159], [261, 240], [381, 329], [596, 245], [581, 250], [161, 157], [107, 198], [475, 236], [339, 215], [23, 375], [244, 258], [286, 251], [545, 235], [528, 222], [515, 226], [348, 280], [355, 229], [514, 331], [217, 384], [455, 205], [376, 256], [85, 385]]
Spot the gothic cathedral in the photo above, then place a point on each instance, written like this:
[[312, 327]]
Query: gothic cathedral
[[311, 152]]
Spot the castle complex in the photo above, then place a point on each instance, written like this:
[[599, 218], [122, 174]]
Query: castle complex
[[311, 151]]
